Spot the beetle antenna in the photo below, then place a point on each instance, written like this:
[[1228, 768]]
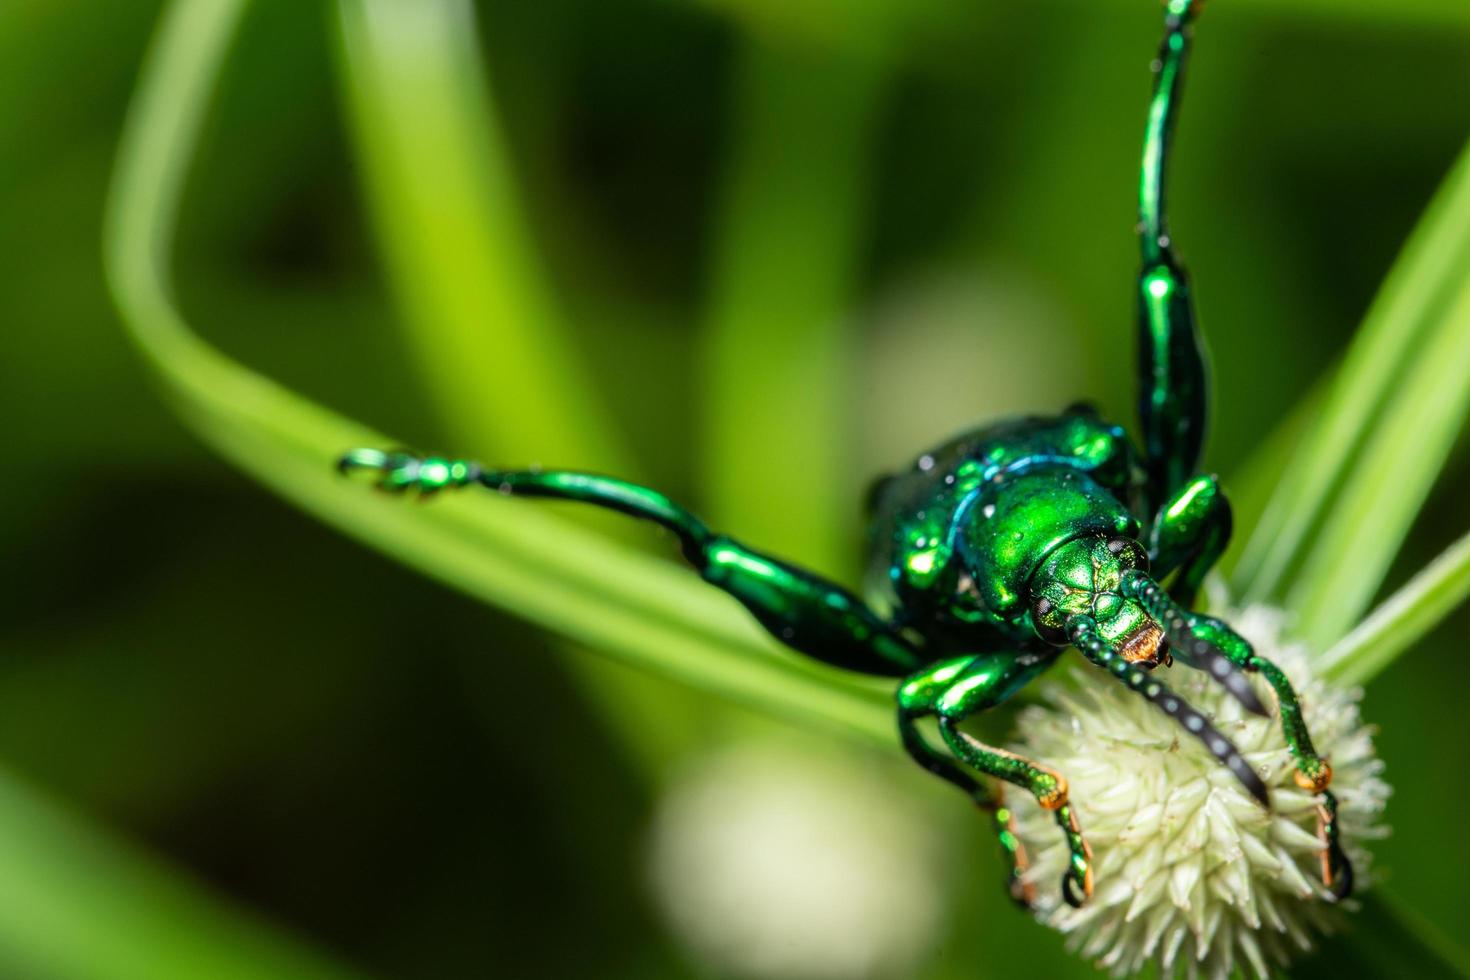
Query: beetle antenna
[[1085, 637], [1194, 650]]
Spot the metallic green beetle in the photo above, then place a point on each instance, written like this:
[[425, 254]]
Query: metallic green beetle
[[996, 551]]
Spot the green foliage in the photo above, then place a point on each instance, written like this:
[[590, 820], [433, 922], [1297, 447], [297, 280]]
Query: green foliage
[[643, 610], [75, 903], [1404, 618], [532, 265], [1366, 465]]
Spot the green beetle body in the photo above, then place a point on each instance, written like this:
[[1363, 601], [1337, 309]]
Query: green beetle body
[[995, 552], [957, 539]]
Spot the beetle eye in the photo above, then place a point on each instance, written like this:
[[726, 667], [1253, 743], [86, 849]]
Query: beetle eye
[[1130, 551], [1048, 624]]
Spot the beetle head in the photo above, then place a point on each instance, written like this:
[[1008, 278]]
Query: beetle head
[[1083, 577]]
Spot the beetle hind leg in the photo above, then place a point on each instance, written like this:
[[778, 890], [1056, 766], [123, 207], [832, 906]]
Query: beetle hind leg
[[1172, 396], [1337, 870], [805, 611]]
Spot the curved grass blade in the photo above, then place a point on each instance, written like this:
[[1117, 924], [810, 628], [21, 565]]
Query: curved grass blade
[[498, 363], [1400, 319], [640, 610], [1403, 618], [1391, 475]]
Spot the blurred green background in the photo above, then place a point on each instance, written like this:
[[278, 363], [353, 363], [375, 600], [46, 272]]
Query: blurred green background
[[792, 244]]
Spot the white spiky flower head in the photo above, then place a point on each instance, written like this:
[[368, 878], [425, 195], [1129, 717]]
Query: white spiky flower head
[[1192, 874]]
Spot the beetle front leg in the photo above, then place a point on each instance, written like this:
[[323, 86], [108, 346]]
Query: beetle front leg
[[1201, 638], [989, 799], [955, 689], [1082, 630], [1313, 773], [1047, 785], [1189, 534]]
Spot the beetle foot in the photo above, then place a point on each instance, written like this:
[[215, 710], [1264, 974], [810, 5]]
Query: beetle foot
[[1077, 880], [1337, 870], [1315, 777], [402, 471], [1050, 789], [1022, 891]]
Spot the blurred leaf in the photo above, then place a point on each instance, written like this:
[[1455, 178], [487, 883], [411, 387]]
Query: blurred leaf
[[1391, 476], [1381, 435], [643, 611], [438, 177], [75, 903], [1403, 619], [867, 28], [880, 25], [1386, 938], [1254, 485], [496, 359], [776, 366], [1429, 14]]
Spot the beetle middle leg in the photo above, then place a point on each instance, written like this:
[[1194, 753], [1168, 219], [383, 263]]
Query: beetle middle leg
[[952, 690]]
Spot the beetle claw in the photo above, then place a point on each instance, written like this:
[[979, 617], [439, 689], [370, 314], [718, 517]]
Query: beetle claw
[[1337, 870], [1023, 893], [1077, 880], [1069, 891]]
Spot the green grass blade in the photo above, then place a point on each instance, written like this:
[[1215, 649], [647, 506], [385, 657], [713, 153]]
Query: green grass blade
[[75, 903], [1399, 319], [641, 610], [1392, 473], [1254, 485], [1403, 619], [776, 392], [456, 247], [498, 363]]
